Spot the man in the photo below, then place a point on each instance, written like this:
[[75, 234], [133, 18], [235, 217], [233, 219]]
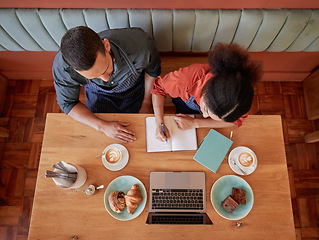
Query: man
[[117, 68]]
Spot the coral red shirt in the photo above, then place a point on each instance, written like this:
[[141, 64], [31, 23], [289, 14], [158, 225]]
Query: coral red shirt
[[186, 82]]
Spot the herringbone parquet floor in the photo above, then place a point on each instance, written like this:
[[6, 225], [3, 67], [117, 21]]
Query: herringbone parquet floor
[[28, 101]]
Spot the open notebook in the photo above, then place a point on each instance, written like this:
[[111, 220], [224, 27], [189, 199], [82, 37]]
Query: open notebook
[[179, 140]]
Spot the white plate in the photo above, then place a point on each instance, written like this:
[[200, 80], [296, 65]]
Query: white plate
[[234, 153], [124, 184], [120, 164]]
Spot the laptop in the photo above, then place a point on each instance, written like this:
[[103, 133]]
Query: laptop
[[177, 198]]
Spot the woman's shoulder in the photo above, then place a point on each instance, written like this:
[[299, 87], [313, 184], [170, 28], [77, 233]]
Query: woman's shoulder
[[198, 71], [199, 67]]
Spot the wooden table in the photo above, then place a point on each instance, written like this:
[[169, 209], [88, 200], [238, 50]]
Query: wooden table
[[60, 213]]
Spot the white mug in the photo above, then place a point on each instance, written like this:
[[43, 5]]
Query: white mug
[[80, 180]]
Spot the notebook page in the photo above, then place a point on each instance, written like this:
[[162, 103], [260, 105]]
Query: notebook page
[[182, 139], [152, 143]]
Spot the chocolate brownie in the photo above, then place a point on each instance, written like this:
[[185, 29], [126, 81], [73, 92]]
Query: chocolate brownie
[[229, 204], [239, 195]]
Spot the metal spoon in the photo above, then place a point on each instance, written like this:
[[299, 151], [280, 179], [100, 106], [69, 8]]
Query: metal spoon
[[64, 168], [52, 174], [56, 166], [100, 155], [234, 163]]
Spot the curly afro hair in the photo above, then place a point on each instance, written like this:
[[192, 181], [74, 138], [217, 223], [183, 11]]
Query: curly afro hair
[[229, 94]]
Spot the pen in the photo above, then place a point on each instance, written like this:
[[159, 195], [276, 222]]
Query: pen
[[163, 130]]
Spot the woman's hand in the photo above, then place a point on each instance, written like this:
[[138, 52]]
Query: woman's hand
[[159, 134], [185, 122]]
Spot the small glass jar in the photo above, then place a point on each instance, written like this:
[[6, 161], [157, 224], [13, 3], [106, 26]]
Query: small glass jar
[[89, 190]]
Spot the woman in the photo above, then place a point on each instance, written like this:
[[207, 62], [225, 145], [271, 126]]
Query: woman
[[222, 91]]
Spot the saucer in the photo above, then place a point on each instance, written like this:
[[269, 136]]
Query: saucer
[[124, 184], [222, 188], [234, 153], [121, 163]]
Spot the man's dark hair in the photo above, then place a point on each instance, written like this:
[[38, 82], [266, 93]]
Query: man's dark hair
[[79, 47], [229, 93]]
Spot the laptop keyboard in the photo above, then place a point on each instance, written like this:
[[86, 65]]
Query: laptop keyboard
[[191, 199], [177, 219]]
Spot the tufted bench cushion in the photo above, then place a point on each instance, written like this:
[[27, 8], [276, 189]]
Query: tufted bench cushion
[[189, 30], [286, 40]]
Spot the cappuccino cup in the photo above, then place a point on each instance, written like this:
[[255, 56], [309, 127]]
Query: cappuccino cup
[[246, 159], [113, 155]]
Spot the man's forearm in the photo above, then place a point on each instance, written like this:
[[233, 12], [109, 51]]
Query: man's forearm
[[82, 114]]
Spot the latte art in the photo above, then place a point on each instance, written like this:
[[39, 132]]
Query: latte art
[[113, 155], [245, 159]]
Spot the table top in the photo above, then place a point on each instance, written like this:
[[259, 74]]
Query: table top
[[63, 213]]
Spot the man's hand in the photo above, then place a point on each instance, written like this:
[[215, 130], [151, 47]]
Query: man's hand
[[184, 121], [118, 131]]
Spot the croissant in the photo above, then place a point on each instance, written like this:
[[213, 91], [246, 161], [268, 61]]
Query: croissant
[[133, 198], [117, 201]]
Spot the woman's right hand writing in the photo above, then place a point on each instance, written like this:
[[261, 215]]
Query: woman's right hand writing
[[159, 134]]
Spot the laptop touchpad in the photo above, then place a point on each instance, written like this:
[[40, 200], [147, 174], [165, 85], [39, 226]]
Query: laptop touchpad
[[177, 180]]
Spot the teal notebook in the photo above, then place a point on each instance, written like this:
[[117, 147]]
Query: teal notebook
[[213, 150]]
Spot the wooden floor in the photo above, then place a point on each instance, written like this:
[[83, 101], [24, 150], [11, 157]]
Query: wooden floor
[[29, 101]]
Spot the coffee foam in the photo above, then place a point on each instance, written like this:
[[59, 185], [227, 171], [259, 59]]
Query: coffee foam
[[246, 159], [113, 155]]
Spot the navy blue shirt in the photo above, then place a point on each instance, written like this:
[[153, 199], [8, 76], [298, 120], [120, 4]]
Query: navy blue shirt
[[135, 42]]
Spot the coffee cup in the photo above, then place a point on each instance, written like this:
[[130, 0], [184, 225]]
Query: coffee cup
[[68, 183], [113, 155], [245, 159]]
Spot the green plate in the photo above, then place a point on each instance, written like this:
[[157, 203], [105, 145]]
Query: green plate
[[124, 184], [222, 188]]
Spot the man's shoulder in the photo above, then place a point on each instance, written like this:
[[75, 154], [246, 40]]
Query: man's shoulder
[[63, 73], [58, 62], [134, 41], [122, 32]]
